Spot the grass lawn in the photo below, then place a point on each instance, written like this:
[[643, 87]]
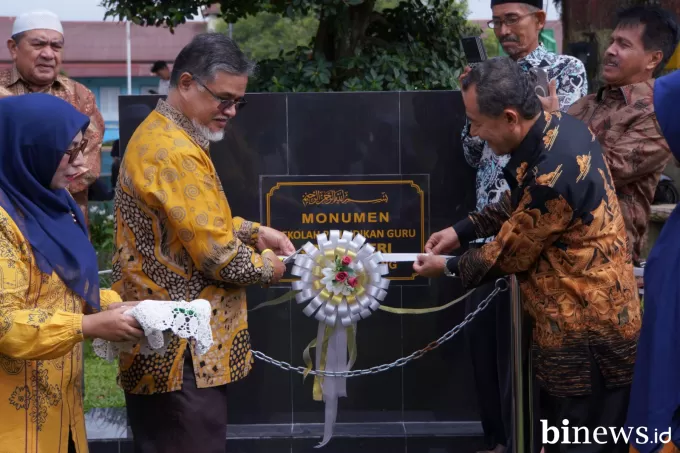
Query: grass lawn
[[101, 389]]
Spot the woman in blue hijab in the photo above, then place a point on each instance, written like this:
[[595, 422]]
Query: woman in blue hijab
[[48, 278], [655, 396]]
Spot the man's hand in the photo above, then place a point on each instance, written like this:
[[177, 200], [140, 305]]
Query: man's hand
[[269, 238], [442, 241], [552, 102], [112, 325], [430, 266], [277, 264], [463, 75]]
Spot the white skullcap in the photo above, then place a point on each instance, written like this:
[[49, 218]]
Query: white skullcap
[[37, 20]]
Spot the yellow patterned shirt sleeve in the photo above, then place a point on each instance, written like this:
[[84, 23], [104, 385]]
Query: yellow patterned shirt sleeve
[[183, 185], [26, 332], [246, 230], [108, 297]]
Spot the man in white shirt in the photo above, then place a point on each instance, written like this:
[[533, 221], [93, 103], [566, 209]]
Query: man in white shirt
[[161, 70]]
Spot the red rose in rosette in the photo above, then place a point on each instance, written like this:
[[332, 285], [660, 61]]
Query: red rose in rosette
[[346, 261], [341, 276], [353, 282]]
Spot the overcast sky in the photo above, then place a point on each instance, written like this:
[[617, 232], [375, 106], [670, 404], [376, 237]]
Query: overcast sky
[[90, 9]]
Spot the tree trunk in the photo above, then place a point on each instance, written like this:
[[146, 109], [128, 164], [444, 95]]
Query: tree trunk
[[358, 20], [565, 23], [340, 36], [325, 37]]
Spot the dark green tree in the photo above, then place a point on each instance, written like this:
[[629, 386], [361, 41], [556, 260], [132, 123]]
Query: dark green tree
[[265, 35], [358, 44]]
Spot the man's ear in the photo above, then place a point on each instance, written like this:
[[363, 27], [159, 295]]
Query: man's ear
[[541, 18], [655, 60], [12, 47], [184, 81], [511, 117]]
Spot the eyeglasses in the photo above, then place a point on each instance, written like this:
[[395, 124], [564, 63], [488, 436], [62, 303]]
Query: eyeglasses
[[507, 20], [74, 152], [224, 103]]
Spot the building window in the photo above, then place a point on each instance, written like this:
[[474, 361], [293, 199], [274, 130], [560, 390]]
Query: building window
[[108, 100]]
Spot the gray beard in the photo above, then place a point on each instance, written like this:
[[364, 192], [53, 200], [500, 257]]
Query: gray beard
[[207, 133]]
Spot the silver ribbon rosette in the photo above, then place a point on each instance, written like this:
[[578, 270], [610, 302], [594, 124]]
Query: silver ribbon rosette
[[342, 280]]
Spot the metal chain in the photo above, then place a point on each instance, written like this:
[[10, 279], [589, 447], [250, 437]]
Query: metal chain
[[500, 286]]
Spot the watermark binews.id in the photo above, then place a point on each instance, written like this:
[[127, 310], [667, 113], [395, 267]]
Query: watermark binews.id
[[579, 435]]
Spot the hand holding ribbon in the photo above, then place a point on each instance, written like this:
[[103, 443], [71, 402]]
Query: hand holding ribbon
[[269, 238], [430, 266], [442, 241]]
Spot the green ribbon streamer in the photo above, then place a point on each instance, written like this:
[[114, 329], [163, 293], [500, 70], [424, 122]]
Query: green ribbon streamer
[[278, 301], [423, 311]]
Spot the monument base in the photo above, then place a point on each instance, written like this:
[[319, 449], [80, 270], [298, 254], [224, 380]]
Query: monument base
[[108, 433]]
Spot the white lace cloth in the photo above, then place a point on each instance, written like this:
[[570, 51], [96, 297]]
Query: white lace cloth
[[160, 320]]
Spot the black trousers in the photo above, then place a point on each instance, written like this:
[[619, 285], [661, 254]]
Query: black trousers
[[71, 444], [488, 341], [605, 408], [186, 421]]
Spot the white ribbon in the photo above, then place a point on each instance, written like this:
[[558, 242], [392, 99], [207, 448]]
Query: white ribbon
[[386, 257], [336, 303], [332, 387], [405, 257], [367, 264]]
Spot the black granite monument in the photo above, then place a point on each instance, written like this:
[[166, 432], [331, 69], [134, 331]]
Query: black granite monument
[[292, 161]]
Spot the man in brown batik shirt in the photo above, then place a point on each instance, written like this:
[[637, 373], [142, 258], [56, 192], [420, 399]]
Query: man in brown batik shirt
[[622, 114], [559, 229], [36, 47]]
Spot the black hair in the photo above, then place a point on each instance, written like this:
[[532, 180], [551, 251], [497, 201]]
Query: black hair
[[157, 66], [660, 29], [502, 84], [207, 54]]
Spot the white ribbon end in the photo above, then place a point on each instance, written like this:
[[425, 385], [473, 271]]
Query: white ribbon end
[[299, 285], [320, 316], [303, 297], [309, 310], [329, 309], [297, 271]]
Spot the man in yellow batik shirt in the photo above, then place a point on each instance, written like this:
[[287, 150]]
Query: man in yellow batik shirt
[[36, 47], [177, 240]]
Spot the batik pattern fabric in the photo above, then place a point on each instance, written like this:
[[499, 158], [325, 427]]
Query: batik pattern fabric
[[560, 230], [624, 121], [176, 240], [41, 353], [572, 84], [82, 99]]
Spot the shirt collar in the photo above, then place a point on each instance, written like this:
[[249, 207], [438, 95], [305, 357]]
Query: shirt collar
[[528, 151], [629, 93], [16, 77], [182, 122], [534, 58]]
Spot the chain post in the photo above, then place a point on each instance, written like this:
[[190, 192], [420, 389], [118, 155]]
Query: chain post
[[520, 380]]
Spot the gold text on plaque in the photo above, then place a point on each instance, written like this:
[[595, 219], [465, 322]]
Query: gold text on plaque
[[340, 196]]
